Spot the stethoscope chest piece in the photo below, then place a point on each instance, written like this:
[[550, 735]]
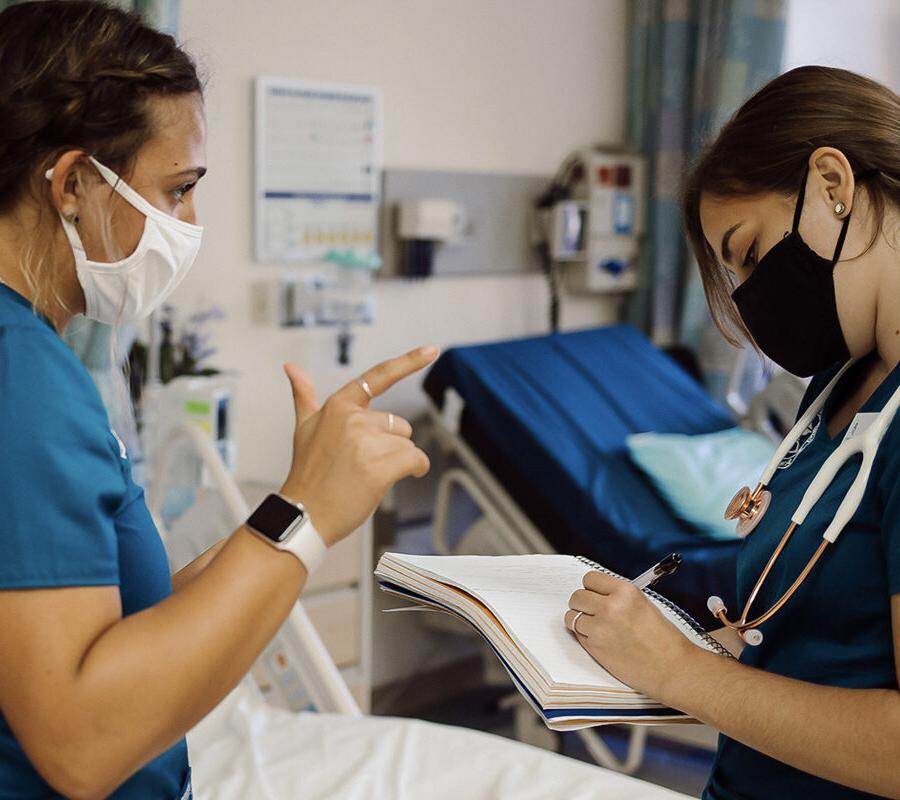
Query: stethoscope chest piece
[[748, 508]]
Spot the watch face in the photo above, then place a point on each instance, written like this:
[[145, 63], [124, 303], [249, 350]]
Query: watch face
[[275, 518]]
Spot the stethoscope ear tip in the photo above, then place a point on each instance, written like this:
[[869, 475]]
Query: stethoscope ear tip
[[715, 605], [752, 636]]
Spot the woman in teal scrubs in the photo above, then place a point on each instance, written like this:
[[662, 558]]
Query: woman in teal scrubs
[[793, 214], [105, 659]]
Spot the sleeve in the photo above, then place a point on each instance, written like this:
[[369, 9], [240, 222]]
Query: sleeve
[[889, 489], [60, 480]]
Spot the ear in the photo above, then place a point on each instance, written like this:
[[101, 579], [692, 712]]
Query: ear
[[65, 187], [831, 179]]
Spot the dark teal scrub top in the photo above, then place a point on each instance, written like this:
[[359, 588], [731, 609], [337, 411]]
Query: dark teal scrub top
[[70, 514], [836, 630]]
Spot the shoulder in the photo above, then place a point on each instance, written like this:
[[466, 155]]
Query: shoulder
[[889, 456], [41, 379]]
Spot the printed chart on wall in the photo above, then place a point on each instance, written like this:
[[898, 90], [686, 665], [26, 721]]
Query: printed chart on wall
[[318, 168]]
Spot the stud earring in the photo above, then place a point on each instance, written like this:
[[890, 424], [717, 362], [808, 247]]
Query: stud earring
[[839, 208]]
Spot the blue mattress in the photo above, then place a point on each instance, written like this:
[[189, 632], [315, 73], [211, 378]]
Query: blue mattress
[[549, 416]]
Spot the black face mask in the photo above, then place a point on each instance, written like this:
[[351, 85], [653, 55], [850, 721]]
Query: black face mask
[[788, 303]]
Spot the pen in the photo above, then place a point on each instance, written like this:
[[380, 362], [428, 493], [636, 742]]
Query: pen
[[665, 567]]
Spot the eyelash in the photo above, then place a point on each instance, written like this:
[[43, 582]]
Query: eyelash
[[182, 190], [751, 254]]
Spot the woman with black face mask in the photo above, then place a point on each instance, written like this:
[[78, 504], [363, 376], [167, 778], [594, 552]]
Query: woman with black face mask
[[793, 214]]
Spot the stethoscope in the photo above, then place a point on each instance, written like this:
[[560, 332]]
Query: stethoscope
[[749, 507]]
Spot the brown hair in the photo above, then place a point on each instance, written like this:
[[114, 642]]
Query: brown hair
[[76, 75], [766, 146]]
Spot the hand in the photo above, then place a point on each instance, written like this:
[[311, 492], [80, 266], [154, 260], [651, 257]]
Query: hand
[[345, 456], [626, 634]]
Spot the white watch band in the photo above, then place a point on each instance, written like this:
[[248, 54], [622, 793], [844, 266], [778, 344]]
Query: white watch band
[[307, 545], [290, 530]]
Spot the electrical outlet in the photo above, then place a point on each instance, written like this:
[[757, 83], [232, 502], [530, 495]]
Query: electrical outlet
[[262, 303]]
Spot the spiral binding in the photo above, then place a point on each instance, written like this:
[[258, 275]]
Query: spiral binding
[[679, 612]]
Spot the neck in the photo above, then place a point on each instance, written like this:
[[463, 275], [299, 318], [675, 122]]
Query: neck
[[887, 326], [59, 299], [887, 307]]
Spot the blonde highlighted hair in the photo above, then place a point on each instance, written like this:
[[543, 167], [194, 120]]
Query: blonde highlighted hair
[[75, 75]]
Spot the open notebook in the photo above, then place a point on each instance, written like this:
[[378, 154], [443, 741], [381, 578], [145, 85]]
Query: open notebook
[[517, 604]]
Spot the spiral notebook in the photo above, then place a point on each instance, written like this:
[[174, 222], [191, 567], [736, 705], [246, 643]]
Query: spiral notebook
[[517, 604]]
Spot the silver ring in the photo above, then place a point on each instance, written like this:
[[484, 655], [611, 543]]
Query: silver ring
[[390, 422], [574, 623], [363, 384]]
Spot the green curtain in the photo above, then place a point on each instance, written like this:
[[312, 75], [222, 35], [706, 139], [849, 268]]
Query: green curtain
[[693, 62]]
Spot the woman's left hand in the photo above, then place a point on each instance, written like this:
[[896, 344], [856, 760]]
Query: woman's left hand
[[626, 634]]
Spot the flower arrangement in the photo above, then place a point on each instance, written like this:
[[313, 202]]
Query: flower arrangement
[[184, 349]]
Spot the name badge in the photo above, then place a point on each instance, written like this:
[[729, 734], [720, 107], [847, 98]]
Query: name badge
[[861, 423]]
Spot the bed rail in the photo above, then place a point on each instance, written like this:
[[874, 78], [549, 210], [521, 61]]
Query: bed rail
[[305, 649]]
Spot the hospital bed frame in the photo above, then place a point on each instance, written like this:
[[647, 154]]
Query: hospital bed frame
[[307, 652], [304, 648]]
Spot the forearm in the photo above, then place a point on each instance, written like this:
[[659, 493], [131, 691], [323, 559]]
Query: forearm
[[152, 676], [190, 571], [850, 736]]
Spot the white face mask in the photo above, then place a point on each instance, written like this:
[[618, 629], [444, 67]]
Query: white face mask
[[126, 290]]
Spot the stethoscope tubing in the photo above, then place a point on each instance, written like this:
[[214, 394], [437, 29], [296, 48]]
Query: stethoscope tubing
[[866, 444]]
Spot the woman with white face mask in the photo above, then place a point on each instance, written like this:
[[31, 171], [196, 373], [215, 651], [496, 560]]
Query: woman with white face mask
[[105, 659], [793, 214]]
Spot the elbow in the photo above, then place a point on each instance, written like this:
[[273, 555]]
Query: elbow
[[78, 771], [76, 782]]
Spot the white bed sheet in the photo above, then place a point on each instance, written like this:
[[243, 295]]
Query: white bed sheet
[[247, 750]]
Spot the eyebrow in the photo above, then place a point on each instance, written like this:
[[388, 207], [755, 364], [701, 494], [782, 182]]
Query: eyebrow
[[726, 252], [198, 171]]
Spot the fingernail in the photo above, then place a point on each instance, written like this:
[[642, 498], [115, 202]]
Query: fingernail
[[428, 352]]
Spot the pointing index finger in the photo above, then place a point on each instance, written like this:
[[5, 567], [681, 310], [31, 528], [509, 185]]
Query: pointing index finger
[[383, 376]]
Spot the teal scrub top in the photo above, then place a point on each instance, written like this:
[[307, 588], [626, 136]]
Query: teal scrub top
[[70, 514], [836, 630]]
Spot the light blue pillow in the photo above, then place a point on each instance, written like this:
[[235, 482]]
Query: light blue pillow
[[698, 475]]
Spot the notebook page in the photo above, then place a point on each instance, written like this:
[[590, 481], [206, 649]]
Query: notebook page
[[530, 595]]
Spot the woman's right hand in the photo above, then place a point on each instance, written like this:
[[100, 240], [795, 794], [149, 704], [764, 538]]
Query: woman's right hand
[[345, 457]]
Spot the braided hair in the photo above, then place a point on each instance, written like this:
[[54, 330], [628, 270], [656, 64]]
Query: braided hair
[[76, 75]]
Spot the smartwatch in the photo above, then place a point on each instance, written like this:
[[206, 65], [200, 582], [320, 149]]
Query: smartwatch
[[287, 526]]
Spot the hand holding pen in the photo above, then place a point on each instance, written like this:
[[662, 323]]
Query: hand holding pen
[[643, 581]]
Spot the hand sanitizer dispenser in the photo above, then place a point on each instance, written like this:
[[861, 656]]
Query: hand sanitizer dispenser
[[423, 224]]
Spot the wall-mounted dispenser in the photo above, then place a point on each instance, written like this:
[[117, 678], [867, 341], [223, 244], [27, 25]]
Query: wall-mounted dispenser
[[424, 224]]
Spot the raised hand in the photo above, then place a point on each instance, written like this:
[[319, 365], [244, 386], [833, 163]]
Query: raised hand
[[347, 456]]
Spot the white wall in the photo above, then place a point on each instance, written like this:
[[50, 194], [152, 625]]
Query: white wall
[[469, 85], [861, 36]]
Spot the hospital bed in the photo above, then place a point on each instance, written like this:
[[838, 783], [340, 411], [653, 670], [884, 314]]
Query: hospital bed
[[538, 426], [535, 431], [246, 749]]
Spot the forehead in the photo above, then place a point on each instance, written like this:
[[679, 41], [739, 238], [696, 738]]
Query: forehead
[[179, 139]]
